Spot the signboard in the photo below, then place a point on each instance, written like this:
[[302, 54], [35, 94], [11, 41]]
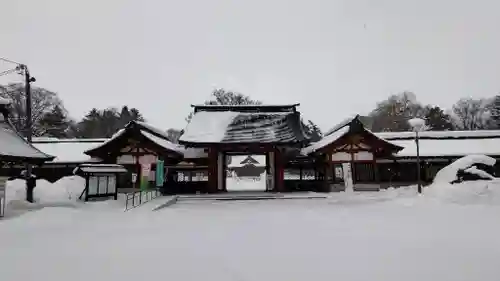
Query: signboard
[[160, 169], [145, 170]]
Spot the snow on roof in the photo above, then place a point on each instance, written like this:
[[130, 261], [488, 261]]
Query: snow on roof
[[417, 124], [448, 147], [163, 142], [449, 173], [439, 134], [325, 140], [152, 129], [100, 168], [68, 150], [291, 105], [208, 127], [13, 145], [341, 124], [237, 159]]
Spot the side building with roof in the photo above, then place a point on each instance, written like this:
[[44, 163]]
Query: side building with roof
[[383, 159]]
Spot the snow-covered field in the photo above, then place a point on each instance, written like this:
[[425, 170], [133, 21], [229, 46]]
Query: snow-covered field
[[449, 233]]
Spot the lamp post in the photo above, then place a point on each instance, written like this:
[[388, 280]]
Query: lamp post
[[418, 125]]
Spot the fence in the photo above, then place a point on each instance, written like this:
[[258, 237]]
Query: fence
[[137, 198]]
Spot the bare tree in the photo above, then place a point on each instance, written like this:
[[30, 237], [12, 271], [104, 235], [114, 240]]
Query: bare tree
[[471, 114], [174, 135], [393, 114], [223, 97], [43, 102]]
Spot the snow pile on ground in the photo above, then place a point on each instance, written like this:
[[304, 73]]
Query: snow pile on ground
[[449, 173], [64, 192], [484, 192], [474, 170]]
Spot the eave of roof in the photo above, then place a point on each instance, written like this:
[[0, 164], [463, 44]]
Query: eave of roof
[[247, 108]]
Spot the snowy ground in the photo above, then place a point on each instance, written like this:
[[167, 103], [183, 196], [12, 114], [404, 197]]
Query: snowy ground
[[246, 183], [450, 233]]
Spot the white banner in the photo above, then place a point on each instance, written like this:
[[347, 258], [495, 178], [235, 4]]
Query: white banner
[[3, 184]]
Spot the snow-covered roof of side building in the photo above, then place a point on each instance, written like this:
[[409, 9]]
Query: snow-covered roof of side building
[[440, 134], [448, 147], [446, 143], [67, 150], [13, 146], [348, 127], [136, 129]]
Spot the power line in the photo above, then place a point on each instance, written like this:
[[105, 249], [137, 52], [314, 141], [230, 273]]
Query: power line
[[8, 71], [11, 61]]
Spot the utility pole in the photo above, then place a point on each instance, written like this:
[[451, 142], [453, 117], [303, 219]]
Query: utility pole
[[419, 183], [30, 183]]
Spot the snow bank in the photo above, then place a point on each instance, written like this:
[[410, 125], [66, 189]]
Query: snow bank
[[449, 173], [480, 192], [64, 192]]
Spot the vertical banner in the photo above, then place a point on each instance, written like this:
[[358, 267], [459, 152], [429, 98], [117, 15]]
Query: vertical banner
[[145, 170], [160, 170], [3, 184]]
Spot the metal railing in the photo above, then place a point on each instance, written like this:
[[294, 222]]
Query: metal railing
[[137, 198]]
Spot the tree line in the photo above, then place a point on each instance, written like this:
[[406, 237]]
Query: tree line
[[466, 114], [51, 119]]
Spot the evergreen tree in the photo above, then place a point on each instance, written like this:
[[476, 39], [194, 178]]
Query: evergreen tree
[[125, 116], [136, 115], [437, 119], [104, 123], [495, 112], [312, 130]]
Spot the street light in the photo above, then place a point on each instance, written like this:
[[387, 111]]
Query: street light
[[418, 125]]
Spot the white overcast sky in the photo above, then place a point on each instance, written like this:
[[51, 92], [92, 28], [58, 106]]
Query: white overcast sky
[[335, 57]]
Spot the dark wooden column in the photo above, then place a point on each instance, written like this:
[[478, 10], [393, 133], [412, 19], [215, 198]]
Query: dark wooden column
[[279, 171], [325, 171], [224, 172], [375, 170], [329, 172], [267, 164], [212, 170], [353, 170]]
